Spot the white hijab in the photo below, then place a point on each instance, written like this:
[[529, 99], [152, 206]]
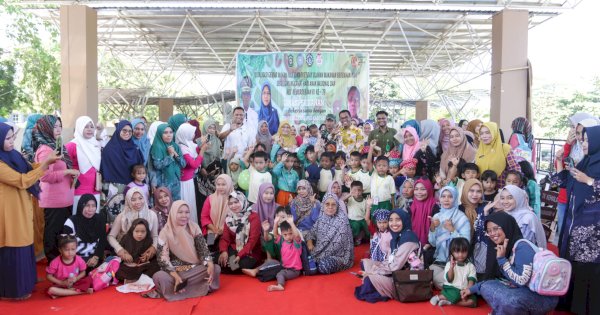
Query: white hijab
[[152, 130], [88, 150], [185, 138]]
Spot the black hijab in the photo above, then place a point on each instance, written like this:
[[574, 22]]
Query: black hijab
[[88, 230], [513, 234], [406, 234], [133, 247]]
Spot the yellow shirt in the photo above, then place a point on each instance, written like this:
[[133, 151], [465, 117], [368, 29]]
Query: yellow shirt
[[16, 207]]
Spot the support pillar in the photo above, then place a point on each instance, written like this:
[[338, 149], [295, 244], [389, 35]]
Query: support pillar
[[165, 109], [421, 110], [509, 67], [79, 65]]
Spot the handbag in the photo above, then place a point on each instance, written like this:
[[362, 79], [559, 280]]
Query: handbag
[[413, 285]]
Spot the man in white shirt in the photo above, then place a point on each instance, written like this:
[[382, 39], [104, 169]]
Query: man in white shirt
[[236, 134], [251, 118]]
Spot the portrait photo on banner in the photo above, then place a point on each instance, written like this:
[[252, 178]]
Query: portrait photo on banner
[[303, 87]]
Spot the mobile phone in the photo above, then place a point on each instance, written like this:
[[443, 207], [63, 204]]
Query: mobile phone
[[181, 286], [232, 264], [570, 162], [208, 138], [210, 239], [59, 145]]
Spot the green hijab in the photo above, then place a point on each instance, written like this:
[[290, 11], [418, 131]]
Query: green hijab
[[213, 152], [176, 121], [159, 151]]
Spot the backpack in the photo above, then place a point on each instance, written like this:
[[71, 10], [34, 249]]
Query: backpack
[[102, 276], [550, 275], [523, 150], [309, 265]]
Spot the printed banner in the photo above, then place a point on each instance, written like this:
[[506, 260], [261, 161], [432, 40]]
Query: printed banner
[[303, 87]]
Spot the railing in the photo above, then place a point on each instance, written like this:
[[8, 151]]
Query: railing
[[546, 154]]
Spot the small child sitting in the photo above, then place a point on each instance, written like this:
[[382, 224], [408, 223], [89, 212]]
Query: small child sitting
[[489, 179], [380, 243], [67, 271], [357, 210], [138, 174], [138, 259], [460, 274], [291, 252]]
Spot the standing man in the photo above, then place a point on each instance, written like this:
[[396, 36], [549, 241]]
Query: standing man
[[329, 127], [251, 118], [384, 135], [349, 138], [236, 134]]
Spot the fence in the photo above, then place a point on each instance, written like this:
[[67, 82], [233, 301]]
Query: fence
[[546, 154]]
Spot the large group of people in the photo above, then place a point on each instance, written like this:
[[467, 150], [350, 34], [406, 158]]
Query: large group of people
[[272, 200]]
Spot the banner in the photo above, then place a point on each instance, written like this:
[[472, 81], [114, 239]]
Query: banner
[[303, 87]]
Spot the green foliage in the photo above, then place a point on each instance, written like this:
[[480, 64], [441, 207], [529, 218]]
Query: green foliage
[[9, 91]]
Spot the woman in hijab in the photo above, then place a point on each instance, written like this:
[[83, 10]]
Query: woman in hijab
[[193, 160], [411, 143], [514, 201], [197, 129], [578, 242], [305, 208], [449, 223], [522, 133], [176, 121], [458, 148], [473, 127], [510, 294], [330, 240], [167, 161], [152, 131], [263, 135], [136, 242], [265, 204], [267, 112], [118, 158], [476, 210], [215, 207], [412, 123], [241, 236], [26, 148], [378, 284], [183, 257], [423, 208], [57, 195], [85, 153], [211, 164], [445, 125], [18, 182], [162, 204], [140, 138], [428, 154], [494, 155], [335, 188], [285, 137], [90, 230], [135, 207]]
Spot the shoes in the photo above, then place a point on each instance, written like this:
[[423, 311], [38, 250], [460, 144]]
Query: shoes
[[434, 300]]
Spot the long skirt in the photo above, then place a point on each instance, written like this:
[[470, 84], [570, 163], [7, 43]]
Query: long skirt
[[17, 271], [188, 193], [38, 228], [586, 288], [196, 283], [55, 220], [505, 300]]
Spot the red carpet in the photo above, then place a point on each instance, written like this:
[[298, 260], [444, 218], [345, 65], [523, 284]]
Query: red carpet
[[332, 294]]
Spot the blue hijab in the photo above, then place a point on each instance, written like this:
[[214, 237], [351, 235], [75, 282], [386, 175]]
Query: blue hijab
[[144, 143], [268, 112], [16, 161], [119, 156], [412, 123], [462, 226], [406, 234]]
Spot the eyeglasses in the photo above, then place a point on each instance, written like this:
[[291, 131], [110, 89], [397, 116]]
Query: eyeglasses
[[126, 131], [493, 230]]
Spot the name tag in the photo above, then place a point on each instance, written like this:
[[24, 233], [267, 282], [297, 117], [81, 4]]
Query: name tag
[[414, 277]]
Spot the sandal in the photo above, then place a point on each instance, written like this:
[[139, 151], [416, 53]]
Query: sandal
[[151, 295]]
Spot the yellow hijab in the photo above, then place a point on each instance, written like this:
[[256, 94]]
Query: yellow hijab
[[289, 140], [492, 156]]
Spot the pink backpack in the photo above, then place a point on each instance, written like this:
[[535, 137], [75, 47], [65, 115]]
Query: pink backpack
[[102, 276], [551, 274]]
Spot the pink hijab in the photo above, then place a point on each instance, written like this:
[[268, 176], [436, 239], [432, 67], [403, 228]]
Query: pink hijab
[[444, 139], [180, 239], [420, 211], [409, 151]]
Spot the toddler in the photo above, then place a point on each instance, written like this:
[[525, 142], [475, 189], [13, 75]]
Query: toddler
[[67, 271], [138, 174], [460, 274], [380, 243]]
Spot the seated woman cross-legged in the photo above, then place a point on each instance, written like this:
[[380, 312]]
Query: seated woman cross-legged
[[240, 243], [187, 270], [513, 266], [378, 284], [330, 240]]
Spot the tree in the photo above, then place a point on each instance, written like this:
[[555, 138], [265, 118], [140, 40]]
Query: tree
[[9, 91]]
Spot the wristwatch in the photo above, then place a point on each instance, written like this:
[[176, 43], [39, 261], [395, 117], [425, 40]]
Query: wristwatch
[[590, 182]]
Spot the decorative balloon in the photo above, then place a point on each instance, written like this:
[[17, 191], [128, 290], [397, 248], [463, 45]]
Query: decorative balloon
[[244, 179]]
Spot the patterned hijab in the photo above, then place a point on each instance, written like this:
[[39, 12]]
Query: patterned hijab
[[43, 133], [16, 161], [239, 223], [303, 205], [180, 238], [464, 151], [523, 126], [333, 236], [492, 156], [26, 147]]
